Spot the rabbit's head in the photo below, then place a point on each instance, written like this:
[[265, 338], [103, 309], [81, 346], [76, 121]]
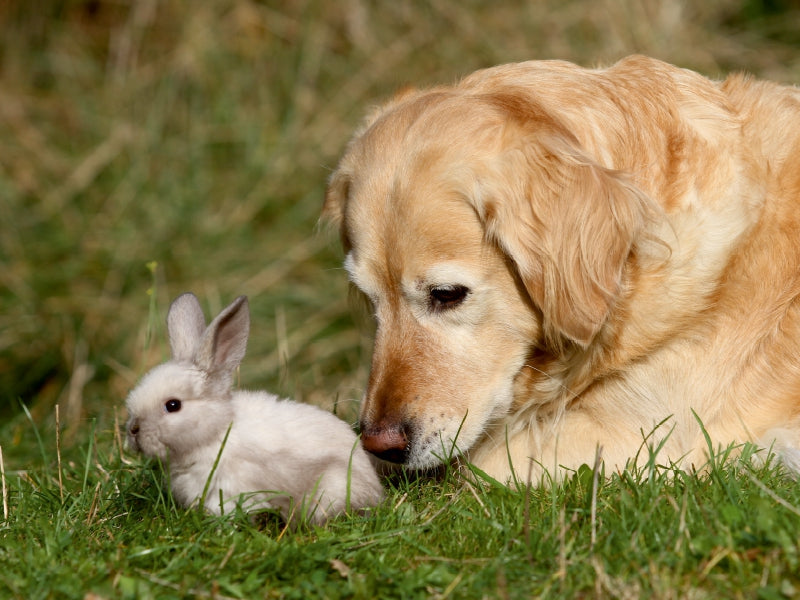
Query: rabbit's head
[[185, 403]]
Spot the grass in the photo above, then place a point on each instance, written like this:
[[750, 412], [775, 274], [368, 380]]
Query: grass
[[102, 524], [148, 148]]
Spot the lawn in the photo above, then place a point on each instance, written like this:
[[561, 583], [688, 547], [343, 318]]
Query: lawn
[[152, 147]]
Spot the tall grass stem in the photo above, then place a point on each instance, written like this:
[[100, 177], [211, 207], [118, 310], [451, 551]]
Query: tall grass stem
[[58, 455]]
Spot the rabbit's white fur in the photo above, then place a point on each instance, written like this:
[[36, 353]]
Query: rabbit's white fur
[[278, 454]]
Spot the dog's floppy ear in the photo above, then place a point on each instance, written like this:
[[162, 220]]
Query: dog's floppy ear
[[568, 223], [333, 207]]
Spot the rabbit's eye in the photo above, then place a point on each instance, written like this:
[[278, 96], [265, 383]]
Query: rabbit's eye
[[172, 405]]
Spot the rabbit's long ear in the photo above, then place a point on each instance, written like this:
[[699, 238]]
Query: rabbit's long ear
[[224, 343], [185, 324]]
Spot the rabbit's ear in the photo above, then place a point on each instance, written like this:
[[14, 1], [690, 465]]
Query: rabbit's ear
[[185, 324], [224, 343]]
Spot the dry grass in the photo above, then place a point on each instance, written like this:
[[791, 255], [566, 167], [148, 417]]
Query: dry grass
[[199, 137]]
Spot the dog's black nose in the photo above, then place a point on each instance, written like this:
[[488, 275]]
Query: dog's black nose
[[133, 426], [387, 443]]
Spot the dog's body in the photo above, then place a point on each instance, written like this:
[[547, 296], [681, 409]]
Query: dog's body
[[563, 259]]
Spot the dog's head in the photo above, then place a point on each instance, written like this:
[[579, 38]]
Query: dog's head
[[482, 233]]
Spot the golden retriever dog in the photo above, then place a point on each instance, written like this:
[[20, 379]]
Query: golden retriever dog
[[565, 261]]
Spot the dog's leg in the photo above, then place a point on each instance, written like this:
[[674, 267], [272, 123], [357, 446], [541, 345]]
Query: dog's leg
[[548, 453]]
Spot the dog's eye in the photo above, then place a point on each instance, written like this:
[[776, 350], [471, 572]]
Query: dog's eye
[[448, 296], [172, 405]]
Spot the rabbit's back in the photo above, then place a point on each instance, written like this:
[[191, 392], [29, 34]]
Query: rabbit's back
[[300, 449]]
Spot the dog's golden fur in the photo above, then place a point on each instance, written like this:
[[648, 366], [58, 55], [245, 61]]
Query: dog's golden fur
[[561, 259]]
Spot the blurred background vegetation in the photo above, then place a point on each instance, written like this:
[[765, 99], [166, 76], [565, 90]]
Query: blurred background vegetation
[[149, 147]]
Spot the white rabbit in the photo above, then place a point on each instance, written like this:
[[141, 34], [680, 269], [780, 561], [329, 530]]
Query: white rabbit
[[279, 454]]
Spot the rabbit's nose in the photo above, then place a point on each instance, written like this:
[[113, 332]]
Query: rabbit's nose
[[133, 426]]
